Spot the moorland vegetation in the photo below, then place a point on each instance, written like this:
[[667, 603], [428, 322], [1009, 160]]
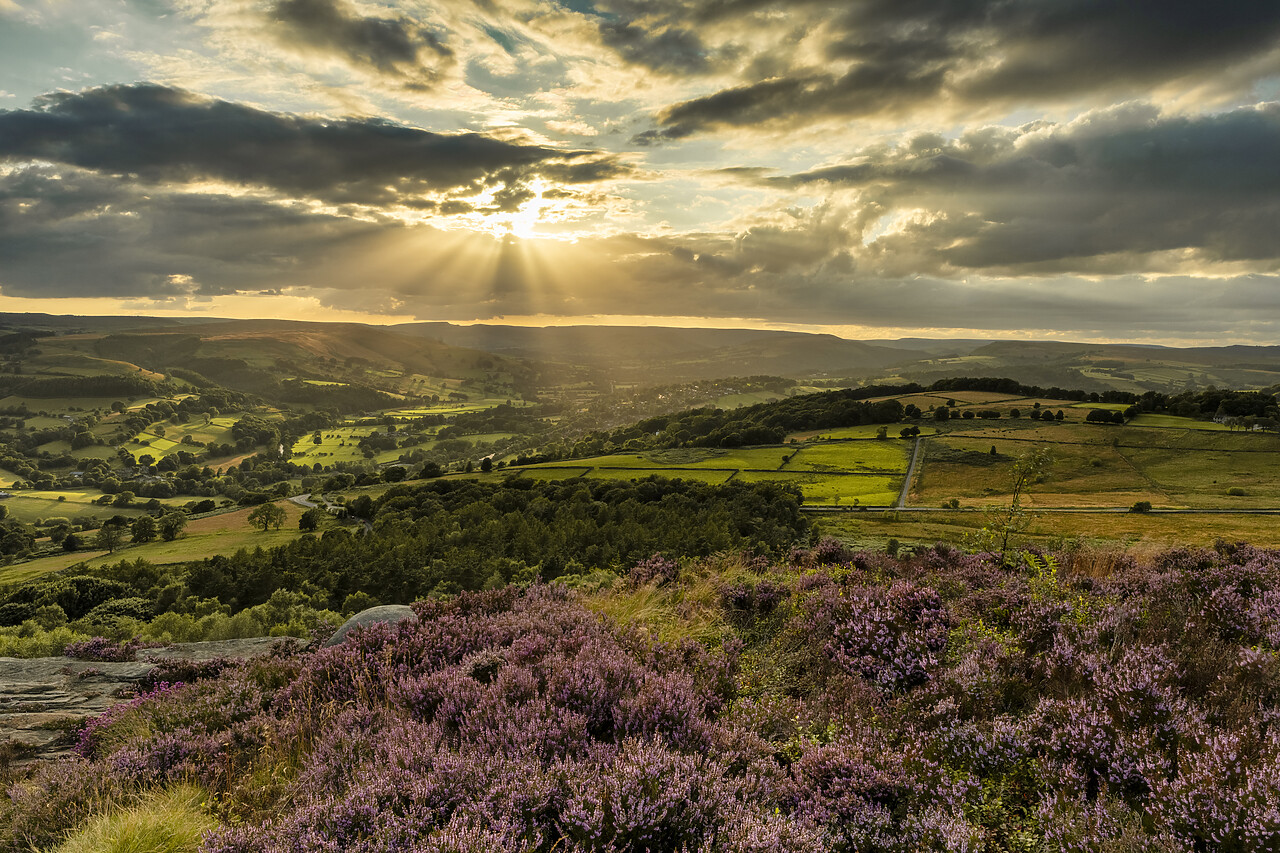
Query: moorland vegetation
[[634, 632], [827, 700]]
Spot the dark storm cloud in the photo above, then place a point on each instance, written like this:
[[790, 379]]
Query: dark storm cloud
[[660, 35], [671, 49], [161, 134], [900, 55], [394, 47], [73, 233], [1121, 183]]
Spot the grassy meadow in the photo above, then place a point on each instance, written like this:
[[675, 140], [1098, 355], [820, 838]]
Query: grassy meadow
[[224, 533]]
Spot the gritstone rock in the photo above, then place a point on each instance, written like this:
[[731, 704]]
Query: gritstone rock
[[389, 613]]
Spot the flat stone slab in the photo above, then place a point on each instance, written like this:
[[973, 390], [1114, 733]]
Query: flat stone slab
[[388, 613], [40, 698]]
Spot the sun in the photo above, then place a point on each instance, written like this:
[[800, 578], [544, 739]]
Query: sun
[[524, 222]]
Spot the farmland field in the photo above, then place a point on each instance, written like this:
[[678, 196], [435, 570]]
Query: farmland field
[[216, 534], [1138, 533], [29, 505], [834, 489], [641, 473], [216, 431], [854, 456], [1175, 422]]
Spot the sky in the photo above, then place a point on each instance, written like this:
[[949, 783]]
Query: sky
[[1056, 169]]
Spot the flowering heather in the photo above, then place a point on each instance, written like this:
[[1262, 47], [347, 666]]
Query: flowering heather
[[853, 702], [657, 569], [102, 649]]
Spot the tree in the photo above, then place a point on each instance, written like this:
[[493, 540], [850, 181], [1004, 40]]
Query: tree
[[144, 529], [310, 519], [267, 516], [171, 525], [110, 536], [486, 464], [1003, 522]]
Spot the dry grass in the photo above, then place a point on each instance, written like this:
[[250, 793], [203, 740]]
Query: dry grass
[[168, 821]]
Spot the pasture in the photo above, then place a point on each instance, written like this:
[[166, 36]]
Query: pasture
[[225, 533], [31, 505], [845, 472], [215, 431]]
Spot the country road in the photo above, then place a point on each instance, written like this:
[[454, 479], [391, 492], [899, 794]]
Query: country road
[[911, 472], [305, 501]]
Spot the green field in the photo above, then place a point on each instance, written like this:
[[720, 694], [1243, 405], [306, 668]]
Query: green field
[[1104, 532], [852, 456], [216, 431], [1109, 407], [204, 537], [734, 401], [338, 444], [1175, 422], [28, 505], [835, 490], [835, 473], [641, 473], [767, 458], [545, 473], [1164, 462]]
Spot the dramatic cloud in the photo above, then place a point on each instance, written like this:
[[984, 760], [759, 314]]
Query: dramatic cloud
[[74, 234], [1103, 167], [891, 57], [162, 134], [394, 47], [1123, 182]]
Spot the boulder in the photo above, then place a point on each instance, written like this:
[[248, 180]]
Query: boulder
[[388, 613]]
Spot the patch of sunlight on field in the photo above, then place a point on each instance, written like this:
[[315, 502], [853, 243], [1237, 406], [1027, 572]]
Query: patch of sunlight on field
[[837, 490], [225, 533], [854, 456]]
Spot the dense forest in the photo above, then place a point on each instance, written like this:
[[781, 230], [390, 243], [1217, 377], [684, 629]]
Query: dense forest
[[433, 539]]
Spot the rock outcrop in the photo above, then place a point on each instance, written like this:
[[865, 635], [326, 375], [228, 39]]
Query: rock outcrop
[[42, 699]]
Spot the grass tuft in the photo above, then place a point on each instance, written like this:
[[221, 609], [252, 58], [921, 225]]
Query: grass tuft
[[169, 821]]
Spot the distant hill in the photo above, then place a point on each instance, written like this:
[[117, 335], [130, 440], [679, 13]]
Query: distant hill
[[256, 356], [498, 360], [640, 353]]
